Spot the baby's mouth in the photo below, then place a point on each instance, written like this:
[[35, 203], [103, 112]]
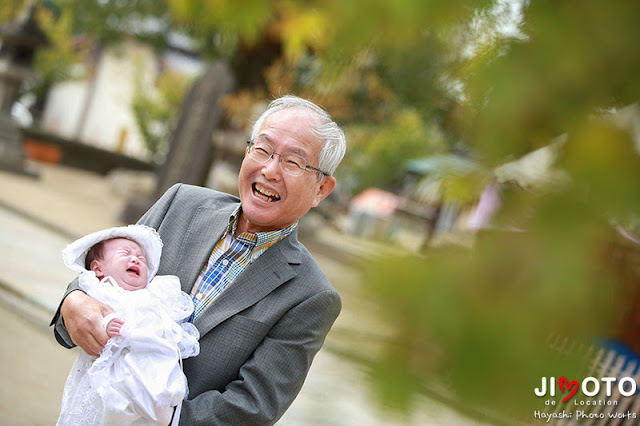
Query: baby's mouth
[[134, 270], [264, 193]]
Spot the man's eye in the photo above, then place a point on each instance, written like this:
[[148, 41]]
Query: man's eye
[[294, 160], [294, 163]]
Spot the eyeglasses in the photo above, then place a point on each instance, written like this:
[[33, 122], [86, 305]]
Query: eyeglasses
[[290, 163]]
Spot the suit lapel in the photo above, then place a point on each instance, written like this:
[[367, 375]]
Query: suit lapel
[[206, 229], [263, 276]]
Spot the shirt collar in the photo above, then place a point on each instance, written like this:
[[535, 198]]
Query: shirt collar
[[260, 239]]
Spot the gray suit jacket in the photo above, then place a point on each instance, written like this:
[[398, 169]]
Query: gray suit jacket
[[259, 337]]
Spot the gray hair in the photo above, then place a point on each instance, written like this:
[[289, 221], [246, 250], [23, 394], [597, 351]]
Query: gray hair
[[329, 133]]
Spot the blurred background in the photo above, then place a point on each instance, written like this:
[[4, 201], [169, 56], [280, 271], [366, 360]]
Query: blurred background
[[485, 230]]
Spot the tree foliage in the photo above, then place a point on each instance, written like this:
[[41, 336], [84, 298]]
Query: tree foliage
[[55, 62], [376, 151], [11, 9], [110, 21], [156, 115], [476, 323]]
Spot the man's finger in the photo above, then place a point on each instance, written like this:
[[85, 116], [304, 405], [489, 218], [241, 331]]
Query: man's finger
[[99, 334], [92, 347]]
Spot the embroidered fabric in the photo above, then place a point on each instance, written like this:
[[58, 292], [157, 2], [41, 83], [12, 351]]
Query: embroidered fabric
[[137, 379]]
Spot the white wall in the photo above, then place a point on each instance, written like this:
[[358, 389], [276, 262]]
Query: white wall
[[63, 107], [109, 113]]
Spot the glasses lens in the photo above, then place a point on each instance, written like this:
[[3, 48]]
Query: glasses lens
[[293, 164], [261, 152], [290, 163]]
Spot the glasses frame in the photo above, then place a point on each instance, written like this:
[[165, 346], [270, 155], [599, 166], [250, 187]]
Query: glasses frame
[[250, 145]]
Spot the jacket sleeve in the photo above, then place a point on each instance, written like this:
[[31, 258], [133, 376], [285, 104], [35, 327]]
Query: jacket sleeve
[[269, 380], [59, 330]]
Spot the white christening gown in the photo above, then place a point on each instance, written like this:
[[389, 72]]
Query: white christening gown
[[138, 378]]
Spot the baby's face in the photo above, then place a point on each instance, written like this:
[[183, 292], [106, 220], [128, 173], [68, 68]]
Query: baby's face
[[124, 261]]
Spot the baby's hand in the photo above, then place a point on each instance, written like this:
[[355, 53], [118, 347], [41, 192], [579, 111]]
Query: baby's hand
[[113, 326]]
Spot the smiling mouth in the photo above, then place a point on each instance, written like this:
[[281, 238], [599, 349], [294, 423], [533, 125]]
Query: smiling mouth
[[264, 193]]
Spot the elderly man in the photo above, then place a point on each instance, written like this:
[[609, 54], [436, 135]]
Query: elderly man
[[262, 305]]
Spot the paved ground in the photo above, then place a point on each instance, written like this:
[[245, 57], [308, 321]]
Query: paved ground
[[33, 368], [38, 217]]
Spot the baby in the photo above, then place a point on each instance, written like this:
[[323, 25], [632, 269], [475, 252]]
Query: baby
[[137, 379]]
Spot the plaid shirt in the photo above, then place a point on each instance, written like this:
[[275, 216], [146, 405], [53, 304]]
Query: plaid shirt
[[228, 259]]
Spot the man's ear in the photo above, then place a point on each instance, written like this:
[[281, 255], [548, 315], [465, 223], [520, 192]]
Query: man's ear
[[325, 187], [97, 268]]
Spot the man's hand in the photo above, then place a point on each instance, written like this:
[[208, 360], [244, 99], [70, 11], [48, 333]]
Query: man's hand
[[82, 316]]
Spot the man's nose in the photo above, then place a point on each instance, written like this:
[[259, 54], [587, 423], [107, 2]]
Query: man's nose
[[272, 165]]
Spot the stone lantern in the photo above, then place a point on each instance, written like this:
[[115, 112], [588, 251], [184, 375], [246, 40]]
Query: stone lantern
[[20, 40]]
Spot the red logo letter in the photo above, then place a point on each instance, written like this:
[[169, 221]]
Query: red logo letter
[[564, 384]]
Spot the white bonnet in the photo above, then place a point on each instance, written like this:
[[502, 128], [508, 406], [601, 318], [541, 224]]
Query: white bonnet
[[74, 254]]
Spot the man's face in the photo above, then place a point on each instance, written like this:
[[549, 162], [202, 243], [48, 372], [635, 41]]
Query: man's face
[[123, 261], [272, 199]]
